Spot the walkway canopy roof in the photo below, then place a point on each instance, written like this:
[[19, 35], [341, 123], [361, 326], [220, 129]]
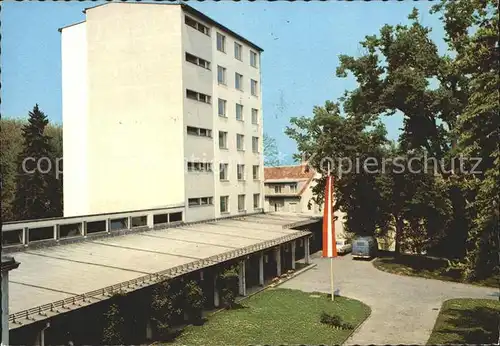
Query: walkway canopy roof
[[51, 280]]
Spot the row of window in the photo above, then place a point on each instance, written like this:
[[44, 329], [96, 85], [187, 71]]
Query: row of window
[[199, 167], [221, 41], [238, 50], [279, 188], [239, 109], [197, 61], [240, 139], [222, 106], [192, 202], [238, 80], [224, 202], [194, 95], [197, 131], [197, 25], [223, 170], [240, 142], [222, 74], [240, 172]]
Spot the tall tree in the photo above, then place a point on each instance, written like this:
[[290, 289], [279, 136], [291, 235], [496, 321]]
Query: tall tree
[[401, 71], [415, 199], [345, 143], [398, 73], [55, 180], [32, 199], [271, 153], [472, 31], [11, 143]]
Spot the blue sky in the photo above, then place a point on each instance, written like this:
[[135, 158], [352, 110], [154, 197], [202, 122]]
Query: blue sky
[[301, 42]]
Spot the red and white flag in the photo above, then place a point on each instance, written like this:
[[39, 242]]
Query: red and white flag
[[329, 243]]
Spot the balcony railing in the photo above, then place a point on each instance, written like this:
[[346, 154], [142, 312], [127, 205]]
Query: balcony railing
[[19, 234]]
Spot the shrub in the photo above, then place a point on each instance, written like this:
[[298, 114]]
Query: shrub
[[194, 300], [227, 283], [166, 306], [113, 332], [334, 321]]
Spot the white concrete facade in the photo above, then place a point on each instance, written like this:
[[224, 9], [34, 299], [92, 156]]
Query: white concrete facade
[[74, 117], [128, 103]]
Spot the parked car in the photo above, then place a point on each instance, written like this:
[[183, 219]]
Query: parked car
[[364, 247], [343, 246]]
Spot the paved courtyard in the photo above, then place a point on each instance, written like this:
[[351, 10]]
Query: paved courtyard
[[404, 308]]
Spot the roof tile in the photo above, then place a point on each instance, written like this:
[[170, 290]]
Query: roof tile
[[288, 172]]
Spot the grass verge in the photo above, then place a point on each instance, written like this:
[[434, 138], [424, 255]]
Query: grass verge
[[426, 267], [467, 321], [278, 316]]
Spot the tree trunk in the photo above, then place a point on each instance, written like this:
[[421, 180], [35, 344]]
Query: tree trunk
[[399, 230]]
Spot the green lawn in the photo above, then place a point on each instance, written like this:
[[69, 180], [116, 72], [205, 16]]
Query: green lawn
[[425, 266], [277, 316], [467, 321]]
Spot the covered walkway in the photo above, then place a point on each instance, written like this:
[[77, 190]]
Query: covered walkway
[[55, 279]]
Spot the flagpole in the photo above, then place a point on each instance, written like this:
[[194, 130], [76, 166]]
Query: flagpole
[[331, 258]]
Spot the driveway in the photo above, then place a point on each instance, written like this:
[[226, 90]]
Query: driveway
[[404, 308]]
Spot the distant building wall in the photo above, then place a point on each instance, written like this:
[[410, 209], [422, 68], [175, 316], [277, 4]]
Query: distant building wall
[[300, 204]]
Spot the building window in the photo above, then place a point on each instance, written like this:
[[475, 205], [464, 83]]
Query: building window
[[196, 25], [222, 108], [223, 168], [239, 112], [241, 172], [241, 202], [240, 142], [191, 58], [255, 116], [192, 131], [221, 42], [197, 61], [222, 140], [255, 144], [255, 171], [196, 131], [293, 188], [237, 50], [194, 202], [253, 59], [277, 188], [256, 200], [224, 204], [193, 95], [205, 132], [253, 87], [207, 201], [221, 75], [238, 81], [199, 167]]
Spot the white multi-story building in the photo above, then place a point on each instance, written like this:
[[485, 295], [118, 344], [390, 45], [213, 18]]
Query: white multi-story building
[[156, 99]]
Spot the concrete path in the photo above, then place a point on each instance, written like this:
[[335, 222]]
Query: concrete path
[[404, 308]]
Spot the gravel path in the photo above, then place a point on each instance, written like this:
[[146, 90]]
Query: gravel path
[[404, 308]]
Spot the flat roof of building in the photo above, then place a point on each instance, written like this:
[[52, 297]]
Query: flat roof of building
[[86, 270], [188, 9]]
